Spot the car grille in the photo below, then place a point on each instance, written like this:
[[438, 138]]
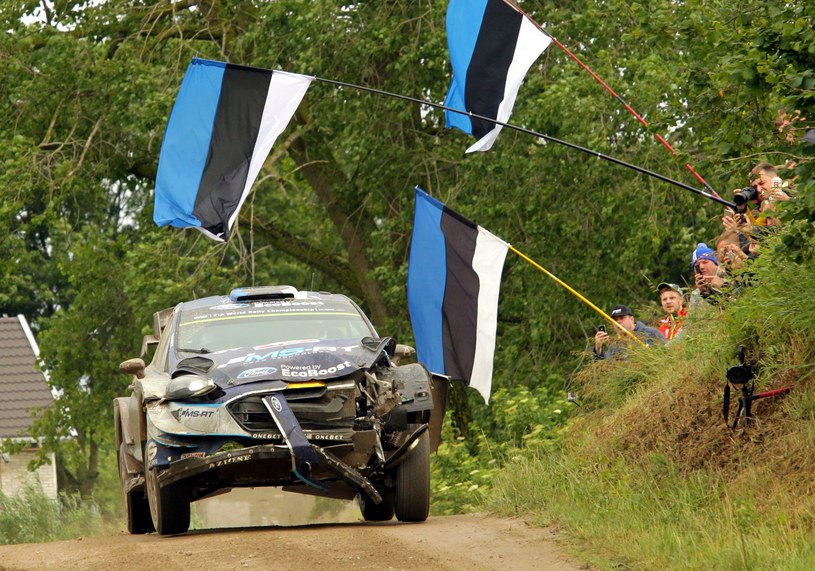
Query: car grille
[[314, 409]]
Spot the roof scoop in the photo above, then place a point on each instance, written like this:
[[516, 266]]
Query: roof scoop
[[261, 293]]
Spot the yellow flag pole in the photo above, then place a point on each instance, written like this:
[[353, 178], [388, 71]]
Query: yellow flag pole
[[579, 296]]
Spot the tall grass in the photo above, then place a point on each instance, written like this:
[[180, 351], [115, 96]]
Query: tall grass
[[631, 518], [648, 476], [32, 517]]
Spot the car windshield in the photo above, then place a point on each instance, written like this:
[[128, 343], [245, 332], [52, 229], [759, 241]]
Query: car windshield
[[210, 329]]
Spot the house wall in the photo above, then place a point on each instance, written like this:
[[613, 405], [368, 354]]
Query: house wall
[[14, 474]]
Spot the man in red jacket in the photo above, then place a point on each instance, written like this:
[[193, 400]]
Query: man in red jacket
[[673, 302]]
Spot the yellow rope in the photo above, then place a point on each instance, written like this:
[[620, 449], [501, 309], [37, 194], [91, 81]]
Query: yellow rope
[[583, 299]]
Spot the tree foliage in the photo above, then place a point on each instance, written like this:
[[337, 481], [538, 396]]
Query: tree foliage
[[88, 87]]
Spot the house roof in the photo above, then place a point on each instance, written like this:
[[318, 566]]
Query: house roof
[[22, 385]]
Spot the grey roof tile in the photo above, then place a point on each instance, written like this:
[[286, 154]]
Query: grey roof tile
[[22, 385]]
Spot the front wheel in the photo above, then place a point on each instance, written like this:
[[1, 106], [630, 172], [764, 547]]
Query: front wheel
[[382, 511], [413, 482], [137, 508], [169, 505]]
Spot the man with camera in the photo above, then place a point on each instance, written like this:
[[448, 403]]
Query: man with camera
[[624, 317], [764, 191]]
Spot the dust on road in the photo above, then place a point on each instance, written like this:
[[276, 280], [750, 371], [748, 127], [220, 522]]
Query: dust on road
[[471, 542]]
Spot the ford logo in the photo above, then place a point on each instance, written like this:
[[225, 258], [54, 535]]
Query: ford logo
[[258, 372], [276, 404]]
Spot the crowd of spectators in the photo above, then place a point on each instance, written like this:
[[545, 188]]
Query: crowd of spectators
[[717, 273]]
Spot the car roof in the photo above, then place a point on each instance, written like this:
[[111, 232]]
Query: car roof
[[267, 294]]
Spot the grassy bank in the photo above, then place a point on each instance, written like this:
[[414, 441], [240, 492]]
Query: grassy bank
[[648, 476]]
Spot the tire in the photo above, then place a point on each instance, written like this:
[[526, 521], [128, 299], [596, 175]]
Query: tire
[[413, 483], [169, 505], [137, 508], [376, 512]]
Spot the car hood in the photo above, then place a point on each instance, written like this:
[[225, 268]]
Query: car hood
[[291, 361]]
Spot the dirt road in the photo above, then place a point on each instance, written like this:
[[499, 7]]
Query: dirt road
[[463, 542]]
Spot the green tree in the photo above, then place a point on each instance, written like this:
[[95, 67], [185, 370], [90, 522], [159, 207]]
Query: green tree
[[87, 91]]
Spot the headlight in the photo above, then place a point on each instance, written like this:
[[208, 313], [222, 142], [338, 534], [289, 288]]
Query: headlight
[[188, 386]]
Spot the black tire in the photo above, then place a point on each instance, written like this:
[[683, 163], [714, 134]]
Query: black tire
[[137, 508], [376, 512], [413, 482], [169, 505]]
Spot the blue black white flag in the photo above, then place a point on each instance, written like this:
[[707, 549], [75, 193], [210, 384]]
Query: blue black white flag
[[454, 276], [223, 125], [492, 46]]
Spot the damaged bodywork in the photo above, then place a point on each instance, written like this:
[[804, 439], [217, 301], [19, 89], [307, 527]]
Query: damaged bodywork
[[272, 386]]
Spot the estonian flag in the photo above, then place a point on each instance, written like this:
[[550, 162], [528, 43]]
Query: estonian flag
[[492, 46], [454, 274], [223, 125]]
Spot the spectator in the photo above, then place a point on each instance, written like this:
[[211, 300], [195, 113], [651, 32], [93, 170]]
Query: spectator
[[768, 185], [709, 277], [624, 317], [673, 303], [733, 249], [743, 230]]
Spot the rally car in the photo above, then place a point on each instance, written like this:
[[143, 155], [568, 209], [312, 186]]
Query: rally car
[[271, 386]]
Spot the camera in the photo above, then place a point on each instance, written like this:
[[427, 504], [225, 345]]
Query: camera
[[742, 373], [601, 328], [745, 195]]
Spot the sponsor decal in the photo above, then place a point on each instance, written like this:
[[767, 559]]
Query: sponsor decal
[[259, 356], [276, 404], [257, 372], [311, 371], [309, 435], [193, 455], [274, 354], [192, 413], [233, 460], [231, 306], [327, 436]]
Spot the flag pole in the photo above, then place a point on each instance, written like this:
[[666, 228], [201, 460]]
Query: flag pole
[[630, 109], [579, 296], [714, 197]]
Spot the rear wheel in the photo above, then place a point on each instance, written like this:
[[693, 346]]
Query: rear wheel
[[169, 505], [413, 482], [382, 511], [137, 508]]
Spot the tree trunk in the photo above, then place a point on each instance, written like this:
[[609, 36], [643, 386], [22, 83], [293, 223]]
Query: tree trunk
[[318, 164]]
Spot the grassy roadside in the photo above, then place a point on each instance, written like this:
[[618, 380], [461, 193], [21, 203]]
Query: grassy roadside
[[33, 517], [649, 477]]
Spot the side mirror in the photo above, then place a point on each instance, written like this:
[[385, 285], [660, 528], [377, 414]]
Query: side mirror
[[402, 352], [133, 367]]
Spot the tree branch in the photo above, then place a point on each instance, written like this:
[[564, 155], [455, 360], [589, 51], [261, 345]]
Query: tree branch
[[316, 160], [331, 266]]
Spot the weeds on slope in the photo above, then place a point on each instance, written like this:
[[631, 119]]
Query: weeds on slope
[[649, 476]]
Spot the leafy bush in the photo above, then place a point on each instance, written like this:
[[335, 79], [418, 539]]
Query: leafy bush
[[517, 418]]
